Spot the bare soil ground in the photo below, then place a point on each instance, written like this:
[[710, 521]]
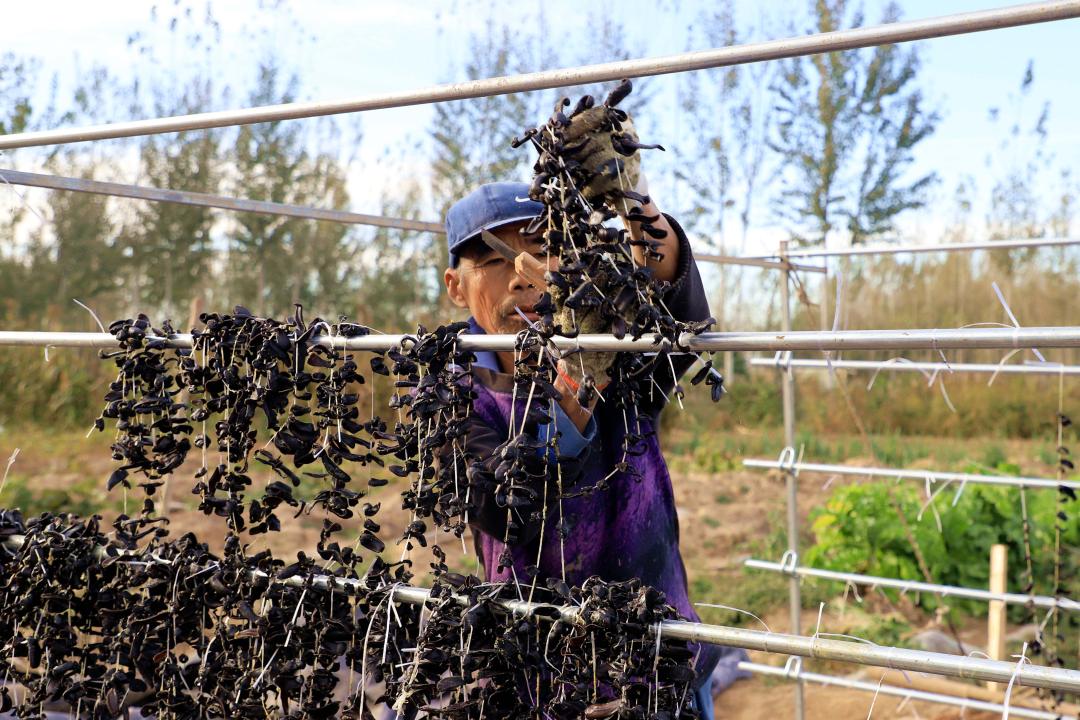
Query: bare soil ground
[[724, 518], [755, 699]]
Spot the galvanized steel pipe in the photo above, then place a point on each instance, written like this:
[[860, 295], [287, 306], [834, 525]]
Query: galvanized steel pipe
[[720, 57], [911, 366], [913, 694], [184, 197], [925, 248], [894, 658], [754, 262], [929, 476], [1042, 601], [791, 486], [970, 338]]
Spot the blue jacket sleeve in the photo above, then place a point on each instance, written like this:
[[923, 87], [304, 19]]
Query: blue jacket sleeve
[[572, 442]]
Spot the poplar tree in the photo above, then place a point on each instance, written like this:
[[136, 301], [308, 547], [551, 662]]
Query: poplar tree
[[847, 126], [471, 138], [169, 247]]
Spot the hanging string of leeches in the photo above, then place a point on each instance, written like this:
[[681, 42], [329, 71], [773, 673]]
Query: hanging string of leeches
[[1041, 645], [909, 535], [233, 384], [1063, 466], [1063, 463]]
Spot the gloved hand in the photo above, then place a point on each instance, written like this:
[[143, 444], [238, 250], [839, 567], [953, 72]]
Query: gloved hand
[[586, 369], [606, 147], [585, 374]]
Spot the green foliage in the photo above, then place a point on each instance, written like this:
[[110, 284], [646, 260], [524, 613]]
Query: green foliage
[[887, 631], [275, 262], [994, 457], [81, 498], [63, 392], [858, 530], [400, 281], [16, 80]]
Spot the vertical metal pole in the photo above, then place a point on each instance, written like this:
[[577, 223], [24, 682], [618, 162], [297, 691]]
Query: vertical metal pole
[[825, 314], [787, 387], [725, 318]]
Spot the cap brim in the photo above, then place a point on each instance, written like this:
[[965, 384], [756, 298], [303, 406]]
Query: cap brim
[[495, 224]]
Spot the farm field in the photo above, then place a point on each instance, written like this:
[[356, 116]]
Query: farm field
[[726, 515], [841, 238]]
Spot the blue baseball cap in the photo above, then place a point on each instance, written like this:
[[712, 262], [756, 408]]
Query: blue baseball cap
[[486, 208]]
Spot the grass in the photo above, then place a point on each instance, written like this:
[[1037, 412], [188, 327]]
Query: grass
[[81, 498], [754, 590]]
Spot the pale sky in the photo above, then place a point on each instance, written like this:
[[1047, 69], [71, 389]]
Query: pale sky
[[367, 47]]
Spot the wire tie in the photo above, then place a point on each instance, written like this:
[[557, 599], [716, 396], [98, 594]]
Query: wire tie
[[786, 461], [789, 562]]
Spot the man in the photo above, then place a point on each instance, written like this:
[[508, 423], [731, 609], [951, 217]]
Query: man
[[628, 529]]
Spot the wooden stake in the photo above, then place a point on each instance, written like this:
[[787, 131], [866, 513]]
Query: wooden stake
[[995, 644]]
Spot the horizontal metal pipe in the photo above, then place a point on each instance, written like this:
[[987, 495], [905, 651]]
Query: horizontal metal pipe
[[889, 657], [720, 57], [913, 694], [803, 646], [184, 197], [754, 262], [929, 476], [906, 366], [1042, 601], [942, 247], [972, 338]]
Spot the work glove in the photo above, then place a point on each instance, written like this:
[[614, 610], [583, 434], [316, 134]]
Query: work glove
[[585, 367], [586, 374], [596, 136]]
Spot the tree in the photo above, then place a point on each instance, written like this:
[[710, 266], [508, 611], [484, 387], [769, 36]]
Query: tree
[[17, 76], [727, 122], [848, 123], [17, 83], [471, 138], [274, 261], [721, 156], [170, 245], [168, 248], [74, 253], [1032, 192], [604, 39], [84, 254], [323, 254], [1020, 159], [397, 288], [268, 159]]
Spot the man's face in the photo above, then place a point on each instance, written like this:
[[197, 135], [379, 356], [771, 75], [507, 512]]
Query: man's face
[[491, 289]]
